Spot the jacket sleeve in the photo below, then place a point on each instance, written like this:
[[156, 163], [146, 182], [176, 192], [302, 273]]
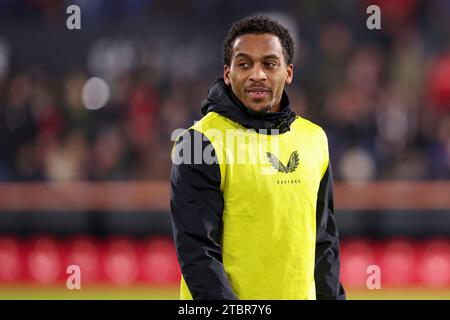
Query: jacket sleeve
[[196, 214], [327, 264]]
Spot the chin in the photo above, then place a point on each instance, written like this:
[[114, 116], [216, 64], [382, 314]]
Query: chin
[[259, 109]]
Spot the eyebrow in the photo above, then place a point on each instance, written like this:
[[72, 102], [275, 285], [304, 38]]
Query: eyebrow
[[244, 55]]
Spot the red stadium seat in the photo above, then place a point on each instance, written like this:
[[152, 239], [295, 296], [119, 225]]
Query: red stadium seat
[[120, 261], [356, 257], [434, 264], [83, 252], [10, 264], [159, 263], [44, 261], [397, 262]]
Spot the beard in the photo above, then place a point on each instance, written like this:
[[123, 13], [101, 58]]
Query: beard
[[264, 110]]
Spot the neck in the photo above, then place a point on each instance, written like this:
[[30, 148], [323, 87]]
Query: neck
[[274, 108]]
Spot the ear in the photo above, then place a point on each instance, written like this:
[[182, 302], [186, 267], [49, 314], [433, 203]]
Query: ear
[[226, 75], [289, 74]]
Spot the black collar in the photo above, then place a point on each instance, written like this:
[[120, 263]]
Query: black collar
[[222, 100]]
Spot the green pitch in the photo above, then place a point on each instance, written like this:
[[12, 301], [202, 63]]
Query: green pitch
[[97, 292], [142, 292]]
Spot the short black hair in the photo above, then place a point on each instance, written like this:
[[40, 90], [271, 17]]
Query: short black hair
[[258, 25]]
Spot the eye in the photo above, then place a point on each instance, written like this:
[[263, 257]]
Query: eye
[[271, 64], [244, 65]]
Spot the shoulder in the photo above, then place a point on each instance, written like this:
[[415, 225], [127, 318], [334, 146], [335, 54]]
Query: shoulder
[[199, 127], [310, 128], [213, 120], [316, 137], [207, 129]]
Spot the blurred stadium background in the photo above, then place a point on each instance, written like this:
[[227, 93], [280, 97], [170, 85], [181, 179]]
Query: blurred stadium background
[[86, 118]]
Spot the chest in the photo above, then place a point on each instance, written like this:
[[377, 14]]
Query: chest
[[273, 169]]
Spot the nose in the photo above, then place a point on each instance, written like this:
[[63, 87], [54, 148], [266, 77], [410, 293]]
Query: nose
[[257, 73]]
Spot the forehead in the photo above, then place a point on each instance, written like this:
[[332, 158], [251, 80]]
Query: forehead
[[258, 45]]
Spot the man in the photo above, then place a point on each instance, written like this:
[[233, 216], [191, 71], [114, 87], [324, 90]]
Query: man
[[246, 230]]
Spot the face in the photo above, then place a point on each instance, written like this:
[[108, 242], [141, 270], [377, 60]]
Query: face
[[258, 71]]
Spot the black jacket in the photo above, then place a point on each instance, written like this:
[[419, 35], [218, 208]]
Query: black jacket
[[197, 206]]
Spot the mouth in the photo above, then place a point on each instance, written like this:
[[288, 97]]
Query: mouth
[[258, 92]]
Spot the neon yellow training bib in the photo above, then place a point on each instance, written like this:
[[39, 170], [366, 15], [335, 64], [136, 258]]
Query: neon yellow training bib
[[270, 185]]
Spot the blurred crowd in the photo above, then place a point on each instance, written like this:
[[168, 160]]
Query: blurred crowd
[[382, 96]]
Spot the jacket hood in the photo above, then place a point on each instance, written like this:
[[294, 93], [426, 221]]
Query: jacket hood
[[222, 100]]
